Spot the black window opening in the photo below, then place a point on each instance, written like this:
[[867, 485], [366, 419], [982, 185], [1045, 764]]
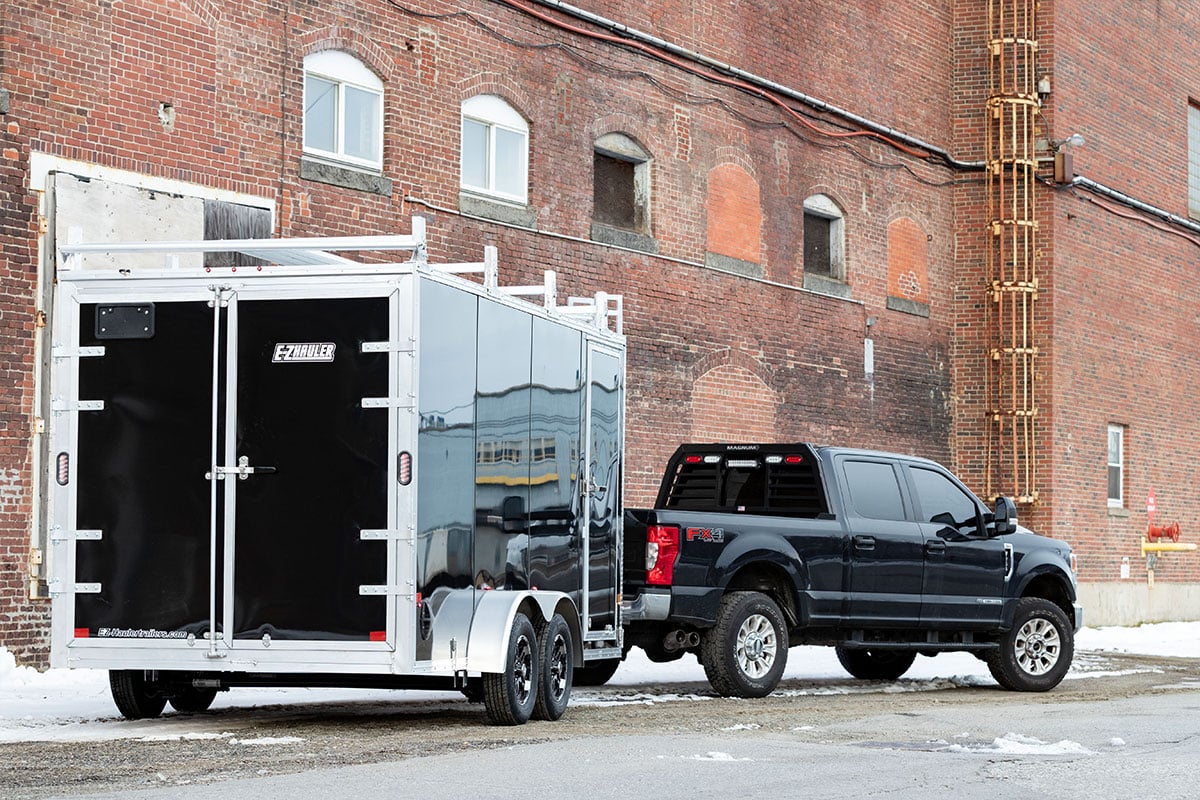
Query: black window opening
[[818, 250], [773, 485], [621, 184]]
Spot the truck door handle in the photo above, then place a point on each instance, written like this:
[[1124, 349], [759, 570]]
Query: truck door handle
[[935, 546], [864, 542]]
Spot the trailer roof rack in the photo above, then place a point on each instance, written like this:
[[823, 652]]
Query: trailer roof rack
[[317, 251]]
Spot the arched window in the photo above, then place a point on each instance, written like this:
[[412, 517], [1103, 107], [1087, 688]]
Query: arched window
[[824, 239], [343, 110], [621, 183], [495, 149]]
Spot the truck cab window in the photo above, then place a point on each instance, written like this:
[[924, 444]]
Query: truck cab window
[[943, 501], [874, 490]]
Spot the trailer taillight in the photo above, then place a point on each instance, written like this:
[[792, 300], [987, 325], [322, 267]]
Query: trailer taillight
[[662, 548], [62, 470], [404, 468]]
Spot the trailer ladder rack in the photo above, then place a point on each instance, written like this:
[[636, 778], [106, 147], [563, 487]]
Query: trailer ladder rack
[[314, 251]]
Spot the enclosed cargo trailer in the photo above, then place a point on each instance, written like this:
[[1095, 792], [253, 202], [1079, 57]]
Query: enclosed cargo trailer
[[310, 470]]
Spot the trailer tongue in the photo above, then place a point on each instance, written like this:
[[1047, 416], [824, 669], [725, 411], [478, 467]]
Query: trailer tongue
[[310, 470]]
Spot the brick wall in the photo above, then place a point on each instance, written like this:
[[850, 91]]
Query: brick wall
[[708, 351]]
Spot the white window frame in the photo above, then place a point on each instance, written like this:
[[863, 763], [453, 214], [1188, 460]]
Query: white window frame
[[493, 113], [1119, 464], [821, 206], [1194, 160], [343, 70]]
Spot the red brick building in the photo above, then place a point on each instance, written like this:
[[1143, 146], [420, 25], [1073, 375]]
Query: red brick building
[[829, 223]]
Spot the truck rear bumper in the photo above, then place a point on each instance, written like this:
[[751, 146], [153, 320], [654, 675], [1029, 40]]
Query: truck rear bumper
[[649, 606]]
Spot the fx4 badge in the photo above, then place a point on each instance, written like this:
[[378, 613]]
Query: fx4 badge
[[303, 352], [706, 534]]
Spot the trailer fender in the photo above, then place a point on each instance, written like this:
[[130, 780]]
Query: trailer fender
[[494, 614]]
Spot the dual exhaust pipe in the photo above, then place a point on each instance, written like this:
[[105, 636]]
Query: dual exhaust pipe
[[680, 640]]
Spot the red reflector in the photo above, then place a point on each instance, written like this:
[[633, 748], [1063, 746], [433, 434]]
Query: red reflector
[[794, 460], [692, 459], [378, 636], [82, 633], [662, 548], [418, 599]]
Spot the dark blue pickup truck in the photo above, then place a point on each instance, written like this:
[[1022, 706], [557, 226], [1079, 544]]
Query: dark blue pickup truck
[[751, 549]]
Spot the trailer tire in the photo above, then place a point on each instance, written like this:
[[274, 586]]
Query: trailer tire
[[875, 665], [745, 652], [1035, 654], [193, 700], [596, 673], [134, 695], [509, 696], [556, 667]]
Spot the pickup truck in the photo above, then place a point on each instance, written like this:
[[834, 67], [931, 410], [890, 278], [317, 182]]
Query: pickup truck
[[754, 548]]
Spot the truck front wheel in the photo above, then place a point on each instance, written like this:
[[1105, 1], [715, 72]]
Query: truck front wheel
[[1036, 653], [745, 653], [875, 665]]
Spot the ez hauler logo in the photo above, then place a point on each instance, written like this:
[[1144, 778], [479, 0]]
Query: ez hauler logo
[[303, 352], [706, 534]]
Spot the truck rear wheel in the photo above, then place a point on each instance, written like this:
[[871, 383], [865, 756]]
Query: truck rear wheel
[[1036, 653], [875, 665], [509, 696], [556, 665], [134, 695], [745, 653]]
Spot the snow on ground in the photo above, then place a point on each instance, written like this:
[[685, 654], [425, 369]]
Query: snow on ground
[[75, 705]]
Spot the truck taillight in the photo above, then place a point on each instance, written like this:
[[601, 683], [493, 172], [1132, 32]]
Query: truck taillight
[[662, 548]]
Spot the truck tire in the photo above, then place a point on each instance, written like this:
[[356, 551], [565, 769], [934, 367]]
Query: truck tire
[[509, 696], [556, 667], [193, 700], [1036, 653], [596, 673], [875, 665], [134, 695], [745, 653]]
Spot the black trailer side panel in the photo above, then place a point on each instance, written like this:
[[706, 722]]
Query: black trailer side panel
[[299, 558], [140, 474]]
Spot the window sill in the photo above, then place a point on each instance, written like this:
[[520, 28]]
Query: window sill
[[908, 306], [497, 210], [734, 265], [345, 177], [830, 286], [1119, 511], [631, 240]]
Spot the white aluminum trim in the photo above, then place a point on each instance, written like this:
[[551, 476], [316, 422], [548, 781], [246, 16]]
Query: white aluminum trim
[[388, 402]]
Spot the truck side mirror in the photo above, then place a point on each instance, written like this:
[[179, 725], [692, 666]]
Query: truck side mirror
[[1006, 516]]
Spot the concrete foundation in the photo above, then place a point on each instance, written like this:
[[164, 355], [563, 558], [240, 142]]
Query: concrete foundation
[[1133, 602]]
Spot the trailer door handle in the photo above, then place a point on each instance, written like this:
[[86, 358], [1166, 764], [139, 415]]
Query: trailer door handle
[[243, 470], [864, 542]]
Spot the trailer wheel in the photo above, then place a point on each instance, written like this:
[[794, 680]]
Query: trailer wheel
[[556, 664], [1036, 653], [509, 696], [596, 673], [134, 695], [193, 700], [745, 652], [875, 665]]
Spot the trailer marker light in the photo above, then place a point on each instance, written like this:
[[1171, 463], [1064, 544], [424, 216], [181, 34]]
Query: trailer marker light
[[712, 459], [662, 548], [418, 599], [63, 468], [82, 633], [404, 468], [774, 459], [691, 460], [795, 459], [378, 636]]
